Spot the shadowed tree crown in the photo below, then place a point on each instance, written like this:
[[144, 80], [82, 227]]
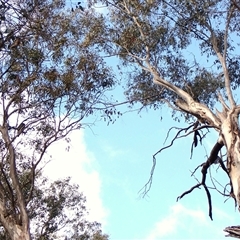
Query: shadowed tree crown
[[52, 77], [54, 74]]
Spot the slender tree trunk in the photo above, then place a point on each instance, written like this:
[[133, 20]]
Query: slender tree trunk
[[17, 230]]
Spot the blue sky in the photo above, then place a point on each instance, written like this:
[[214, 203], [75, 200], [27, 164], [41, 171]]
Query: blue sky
[[112, 163]]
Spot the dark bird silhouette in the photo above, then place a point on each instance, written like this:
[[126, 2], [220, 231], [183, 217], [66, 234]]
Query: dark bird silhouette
[[21, 128], [80, 7]]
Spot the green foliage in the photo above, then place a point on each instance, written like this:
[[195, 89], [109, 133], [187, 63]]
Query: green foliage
[[50, 58], [58, 211], [172, 36], [52, 76]]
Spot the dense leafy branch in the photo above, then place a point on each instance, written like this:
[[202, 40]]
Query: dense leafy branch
[[52, 78]]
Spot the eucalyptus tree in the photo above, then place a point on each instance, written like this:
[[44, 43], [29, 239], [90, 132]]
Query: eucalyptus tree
[[58, 211], [51, 77], [184, 54]]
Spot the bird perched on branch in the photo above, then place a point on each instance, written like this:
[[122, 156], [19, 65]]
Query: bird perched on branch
[[21, 128]]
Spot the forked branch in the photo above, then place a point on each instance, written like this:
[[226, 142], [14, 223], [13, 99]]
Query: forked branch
[[213, 156], [146, 188]]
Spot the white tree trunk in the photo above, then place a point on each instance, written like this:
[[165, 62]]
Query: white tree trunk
[[19, 234], [231, 137], [15, 231]]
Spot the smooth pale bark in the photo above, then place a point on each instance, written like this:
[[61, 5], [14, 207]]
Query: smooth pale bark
[[16, 228], [231, 136], [15, 231], [19, 234], [225, 122]]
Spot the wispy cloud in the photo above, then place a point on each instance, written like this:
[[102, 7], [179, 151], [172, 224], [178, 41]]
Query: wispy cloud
[[79, 164], [110, 150], [163, 228], [177, 216]]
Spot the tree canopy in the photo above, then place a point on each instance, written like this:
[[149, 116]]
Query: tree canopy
[[58, 211], [52, 77], [183, 54], [55, 73]]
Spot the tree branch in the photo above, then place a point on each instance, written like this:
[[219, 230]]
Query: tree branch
[[236, 5], [222, 59], [148, 185], [205, 166], [233, 231], [200, 111]]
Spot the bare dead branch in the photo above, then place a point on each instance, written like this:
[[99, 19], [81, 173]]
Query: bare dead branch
[[146, 188], [205, 166], [177, 128], [148, 185], [209, 201], [189, 191], [223, 165], [196, 136], [196, 169], [224, 187]]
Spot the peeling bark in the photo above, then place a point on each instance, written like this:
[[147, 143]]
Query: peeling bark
[[231, 135], [18, 233]]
